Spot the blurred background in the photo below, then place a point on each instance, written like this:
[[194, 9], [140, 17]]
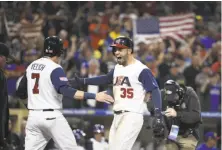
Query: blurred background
[[176, 40]]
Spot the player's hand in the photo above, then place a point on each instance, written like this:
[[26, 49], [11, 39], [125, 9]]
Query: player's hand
[[103, 97], [170, 112]]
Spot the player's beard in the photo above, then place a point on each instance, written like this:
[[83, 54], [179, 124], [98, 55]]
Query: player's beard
[[122, 60]]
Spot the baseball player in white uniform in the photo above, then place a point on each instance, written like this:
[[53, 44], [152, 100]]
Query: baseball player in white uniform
[[133, 84], [44, 84]]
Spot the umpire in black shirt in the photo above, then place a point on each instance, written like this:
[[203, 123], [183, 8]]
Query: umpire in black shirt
[[182, 116], [4, 110]]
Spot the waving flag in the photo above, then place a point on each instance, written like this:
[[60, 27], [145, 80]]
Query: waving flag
[[156, 28]]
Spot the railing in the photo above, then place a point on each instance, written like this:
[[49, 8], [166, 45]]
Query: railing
[[101, 112]]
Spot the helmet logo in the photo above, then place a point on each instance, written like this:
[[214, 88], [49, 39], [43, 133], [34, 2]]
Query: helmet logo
[[118, 41], [48, 51]]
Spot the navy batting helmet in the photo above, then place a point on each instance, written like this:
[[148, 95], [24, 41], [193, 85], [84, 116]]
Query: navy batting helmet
[[53, 46], [122, 42], [98, 128]]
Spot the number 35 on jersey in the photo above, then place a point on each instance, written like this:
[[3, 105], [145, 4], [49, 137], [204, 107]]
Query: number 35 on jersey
[[123, 88]]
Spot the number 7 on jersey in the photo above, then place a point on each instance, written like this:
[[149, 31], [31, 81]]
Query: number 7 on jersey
[[35, 89]]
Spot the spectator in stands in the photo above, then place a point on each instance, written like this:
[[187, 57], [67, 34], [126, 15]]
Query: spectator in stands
[[51, 31], [202, 82], [210, 140], [191, 72], [216, 57], [57, 14], [98, 30], [85, 52], [215, 94], [31, 29], [150, 63], [114, 18], [84, 70], [114, 33], [164, 69], [180, 61], [63, 34], [94, 71], [30, 56], [13, 73], [110, 60], [69, 103], [98, 142], [175, 74]]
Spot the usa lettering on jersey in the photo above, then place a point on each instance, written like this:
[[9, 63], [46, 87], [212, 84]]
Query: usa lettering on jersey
[[127, 91], [121, 80]]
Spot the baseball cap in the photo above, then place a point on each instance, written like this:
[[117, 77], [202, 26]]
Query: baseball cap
[[98, 128], [212, 135], [4, 51]]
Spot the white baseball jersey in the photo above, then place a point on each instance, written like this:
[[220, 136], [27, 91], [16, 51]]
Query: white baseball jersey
[[80, 148], [103, 145], [128, 91], [41, 92]]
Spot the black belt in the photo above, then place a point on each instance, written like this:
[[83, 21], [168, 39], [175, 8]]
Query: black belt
[[120, 112], [42, 109]]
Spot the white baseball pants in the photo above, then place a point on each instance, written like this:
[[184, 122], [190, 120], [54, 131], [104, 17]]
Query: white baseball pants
[[124, 130], [44, 125]]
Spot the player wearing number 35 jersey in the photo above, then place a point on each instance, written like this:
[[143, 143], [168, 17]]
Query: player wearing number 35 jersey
[[44, 84], [133, 83]]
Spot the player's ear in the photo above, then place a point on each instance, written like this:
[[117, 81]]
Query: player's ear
[[129, 51]]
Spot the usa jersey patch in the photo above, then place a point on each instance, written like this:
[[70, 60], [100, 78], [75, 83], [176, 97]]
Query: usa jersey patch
[[63, 79]]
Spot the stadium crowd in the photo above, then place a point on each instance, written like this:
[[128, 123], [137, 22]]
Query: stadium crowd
[[88, 28]]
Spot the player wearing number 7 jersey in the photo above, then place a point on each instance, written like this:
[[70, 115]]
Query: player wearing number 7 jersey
[[133, 83], [44, 84]]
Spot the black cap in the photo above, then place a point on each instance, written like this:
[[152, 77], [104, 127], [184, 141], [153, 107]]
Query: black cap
[[4, 51]]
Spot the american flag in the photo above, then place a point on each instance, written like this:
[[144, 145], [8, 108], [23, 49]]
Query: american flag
[[156, 28]]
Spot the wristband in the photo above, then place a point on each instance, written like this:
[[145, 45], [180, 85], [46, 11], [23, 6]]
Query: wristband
[[89, 95]]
